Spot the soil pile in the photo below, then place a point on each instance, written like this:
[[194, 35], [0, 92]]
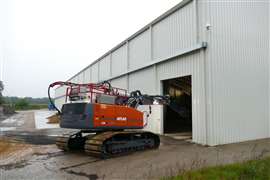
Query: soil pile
[[54, 119]]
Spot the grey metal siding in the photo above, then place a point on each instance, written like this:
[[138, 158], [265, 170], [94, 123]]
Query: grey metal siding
[[193, 65], [238, 70], [121, 82], [174, 33], [140, 50], [105, 68], [87, 75], [94, 73], [81, 78], [143, 80], [171, 35], [119, 61], [230, 79]]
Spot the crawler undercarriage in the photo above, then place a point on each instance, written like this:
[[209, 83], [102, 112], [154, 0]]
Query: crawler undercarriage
[[110, 143]]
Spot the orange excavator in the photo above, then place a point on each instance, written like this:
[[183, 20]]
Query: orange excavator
[[108, 121]]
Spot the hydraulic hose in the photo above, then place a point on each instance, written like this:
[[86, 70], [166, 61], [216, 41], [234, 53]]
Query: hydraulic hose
[[61, 83], [51, 101]]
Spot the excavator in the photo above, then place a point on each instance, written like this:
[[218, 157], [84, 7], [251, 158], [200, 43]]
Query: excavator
[[107, 118]]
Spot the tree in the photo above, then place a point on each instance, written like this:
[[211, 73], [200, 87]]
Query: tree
[[21, 104]]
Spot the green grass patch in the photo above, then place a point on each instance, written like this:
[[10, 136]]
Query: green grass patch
[[31, 107], [26, 103], [250, 170]]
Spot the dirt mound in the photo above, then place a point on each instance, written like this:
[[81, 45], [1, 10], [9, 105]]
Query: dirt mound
[[13, 151], [54, 119], [10, 147]]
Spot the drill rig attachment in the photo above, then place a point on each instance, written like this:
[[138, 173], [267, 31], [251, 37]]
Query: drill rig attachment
[[105, 116]]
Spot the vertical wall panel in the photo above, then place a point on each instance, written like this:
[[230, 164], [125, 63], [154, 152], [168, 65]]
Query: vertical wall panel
[[238, 61], [94, 73], [119, 61], [120, 82], [140, 50], [87, 75], [104, 71], [80, 78], [174, 33], [143, 80], [193, 65]]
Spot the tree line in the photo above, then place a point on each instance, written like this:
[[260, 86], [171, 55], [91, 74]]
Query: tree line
[[25, 103], [30, 100]]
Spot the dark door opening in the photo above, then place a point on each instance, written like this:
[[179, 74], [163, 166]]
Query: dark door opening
[[178, 115]]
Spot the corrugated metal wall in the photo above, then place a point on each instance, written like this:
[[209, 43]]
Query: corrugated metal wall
[[119, 61], [95, 73], [81, 77], [161, 40], [174, 33], [105, 68], [230, 79], [87, 75], [238, 70], [143, 80], [121, 82], [193, 65], [140, 50]]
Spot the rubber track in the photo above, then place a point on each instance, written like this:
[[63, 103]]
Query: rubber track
[[95, 146], [62, 141]]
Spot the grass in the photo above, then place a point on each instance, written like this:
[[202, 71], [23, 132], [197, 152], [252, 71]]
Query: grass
[[255, 169], [32, 107]]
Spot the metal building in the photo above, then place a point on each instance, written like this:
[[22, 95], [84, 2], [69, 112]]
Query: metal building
[[217, 52]]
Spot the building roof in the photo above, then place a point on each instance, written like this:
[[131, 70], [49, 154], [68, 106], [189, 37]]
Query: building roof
[[160, 18]]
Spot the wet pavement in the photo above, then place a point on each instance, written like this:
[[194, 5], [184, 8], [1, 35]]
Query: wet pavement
[[44, 161], [30, 127]]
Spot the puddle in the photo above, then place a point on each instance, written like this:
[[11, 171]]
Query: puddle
[[41, 120], [9, 121], [7, 128], [13, 121], [53, 135]]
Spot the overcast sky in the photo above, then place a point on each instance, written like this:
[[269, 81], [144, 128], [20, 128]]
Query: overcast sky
[[42, 41]]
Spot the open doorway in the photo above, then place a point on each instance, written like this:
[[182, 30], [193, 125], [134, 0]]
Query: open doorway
[[178, 115]]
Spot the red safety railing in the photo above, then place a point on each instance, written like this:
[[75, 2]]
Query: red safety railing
[[91, 90]]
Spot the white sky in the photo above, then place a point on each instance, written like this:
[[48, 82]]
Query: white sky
[[42, 41]]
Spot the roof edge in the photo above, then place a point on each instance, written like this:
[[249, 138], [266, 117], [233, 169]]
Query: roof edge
[[155, 21]]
